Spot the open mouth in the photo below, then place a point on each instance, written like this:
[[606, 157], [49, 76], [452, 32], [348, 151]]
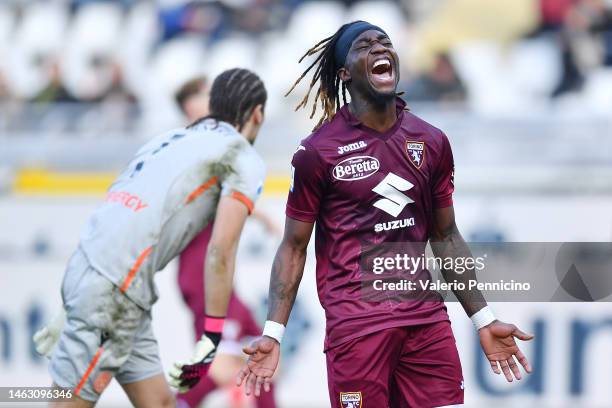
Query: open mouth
[[382, 71]]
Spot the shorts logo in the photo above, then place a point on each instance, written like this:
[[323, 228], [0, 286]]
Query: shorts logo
[[356, 168], [102, 381], [352, 147], [416, 153], [350, 399]]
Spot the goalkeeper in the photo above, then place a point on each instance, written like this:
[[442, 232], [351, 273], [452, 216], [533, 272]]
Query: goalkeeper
[[173, 188]]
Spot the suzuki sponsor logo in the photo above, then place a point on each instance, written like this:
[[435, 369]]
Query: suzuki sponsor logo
[[392, 187], [352, 147], [393, 225], [356, 168]]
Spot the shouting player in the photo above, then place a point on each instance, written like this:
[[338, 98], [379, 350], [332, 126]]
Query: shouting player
[[192, 99], [174, 187], [374, 173]]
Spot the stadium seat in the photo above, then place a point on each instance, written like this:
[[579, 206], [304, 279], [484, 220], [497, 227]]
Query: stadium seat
[[598, 92], [313, 21], [34, 49], [386, 14], [174, 63], [512, 81], [481, 67], [229, 53], [91, 50], [139, 34], [536, 66], [7, 25], [279, 68]]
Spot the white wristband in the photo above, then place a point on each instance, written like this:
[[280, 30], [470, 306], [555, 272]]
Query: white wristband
[[483, 317], [274, 330]]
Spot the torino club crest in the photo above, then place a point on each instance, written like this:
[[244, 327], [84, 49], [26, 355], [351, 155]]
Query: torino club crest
[[416, 153], [350, 399]]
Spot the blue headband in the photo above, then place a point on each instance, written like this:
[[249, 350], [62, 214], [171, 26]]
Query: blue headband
[[350, 33]]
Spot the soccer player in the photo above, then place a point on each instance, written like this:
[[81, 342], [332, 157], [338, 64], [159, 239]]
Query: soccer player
[[374, 173], [172, 189], [192, 99]]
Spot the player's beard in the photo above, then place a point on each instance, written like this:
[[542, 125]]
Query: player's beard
[[372, 95], [380, 98]]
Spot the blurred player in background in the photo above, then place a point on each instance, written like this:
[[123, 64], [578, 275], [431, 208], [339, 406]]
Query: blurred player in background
[[173, 188], [373, 173], [193, 98], [240, 325]]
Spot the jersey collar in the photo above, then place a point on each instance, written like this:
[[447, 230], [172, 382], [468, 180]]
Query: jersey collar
[[350, 119], [220, 124]]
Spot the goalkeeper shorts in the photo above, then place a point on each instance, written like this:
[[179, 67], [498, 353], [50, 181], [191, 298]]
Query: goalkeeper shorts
[[106, 335]]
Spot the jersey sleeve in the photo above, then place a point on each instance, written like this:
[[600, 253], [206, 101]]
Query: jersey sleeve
[[245, 179], [307, 184], [443, 182]]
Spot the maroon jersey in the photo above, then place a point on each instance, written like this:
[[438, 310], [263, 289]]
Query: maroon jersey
[[362, 187], [239, 321]]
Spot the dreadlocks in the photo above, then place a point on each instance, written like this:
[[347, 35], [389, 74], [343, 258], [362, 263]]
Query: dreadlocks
[[326, 73], [233, 96], [332, 56]]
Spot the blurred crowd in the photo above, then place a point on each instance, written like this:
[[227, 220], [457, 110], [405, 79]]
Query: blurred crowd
[[494, 56]]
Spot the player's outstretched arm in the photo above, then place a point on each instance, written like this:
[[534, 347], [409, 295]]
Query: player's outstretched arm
[[287, 271], [220, 263], [221, 254], [496, 337], [447, 242]]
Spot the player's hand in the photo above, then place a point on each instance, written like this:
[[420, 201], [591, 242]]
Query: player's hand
[[264, 354], [497, 341], [185, 375], [46, 338]]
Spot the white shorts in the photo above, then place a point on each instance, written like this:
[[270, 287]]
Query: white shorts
[[106, 335]]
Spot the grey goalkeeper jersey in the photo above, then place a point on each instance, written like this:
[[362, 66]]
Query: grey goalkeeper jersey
[[166, 195]]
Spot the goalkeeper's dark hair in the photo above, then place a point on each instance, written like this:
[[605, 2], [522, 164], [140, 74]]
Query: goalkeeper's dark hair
[[233, 96], [326, 73]]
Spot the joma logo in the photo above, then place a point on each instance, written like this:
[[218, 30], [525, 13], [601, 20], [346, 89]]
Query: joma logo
[[352, 147]]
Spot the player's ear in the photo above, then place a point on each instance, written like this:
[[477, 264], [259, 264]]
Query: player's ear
[[258, 115], [344, 74]]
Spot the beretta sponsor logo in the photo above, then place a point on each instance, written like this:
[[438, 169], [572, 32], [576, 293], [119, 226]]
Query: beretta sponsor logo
[[356, 168]]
